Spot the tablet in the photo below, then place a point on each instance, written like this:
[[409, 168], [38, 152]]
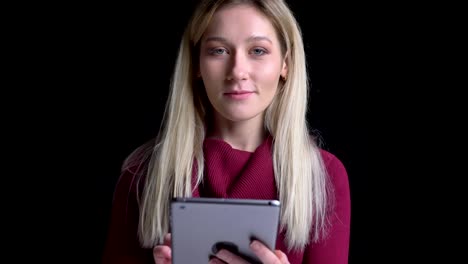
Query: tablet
[[201, 225]]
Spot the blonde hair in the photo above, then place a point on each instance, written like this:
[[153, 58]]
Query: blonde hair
[[300, 174]]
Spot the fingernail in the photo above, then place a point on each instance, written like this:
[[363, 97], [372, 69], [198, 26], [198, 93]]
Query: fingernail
[[254, 245]]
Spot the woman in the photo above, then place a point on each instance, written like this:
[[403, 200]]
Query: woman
[[235, 127]]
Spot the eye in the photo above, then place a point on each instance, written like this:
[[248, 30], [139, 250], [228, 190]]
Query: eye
[[258, 51], [217, 51]]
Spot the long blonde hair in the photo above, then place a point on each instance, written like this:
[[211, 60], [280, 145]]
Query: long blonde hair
[[301, 179]]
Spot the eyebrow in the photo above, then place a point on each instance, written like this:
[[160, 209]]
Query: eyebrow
[[249, 39]]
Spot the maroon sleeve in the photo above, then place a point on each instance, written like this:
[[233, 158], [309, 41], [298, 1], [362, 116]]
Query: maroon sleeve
[[122, 244], [335, 248]]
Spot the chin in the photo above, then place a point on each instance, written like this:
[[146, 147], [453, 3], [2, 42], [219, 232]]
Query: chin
[[238, 117]]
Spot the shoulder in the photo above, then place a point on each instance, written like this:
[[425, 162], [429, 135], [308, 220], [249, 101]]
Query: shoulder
[[330, 160], [139, 157], [334, 167], [134, 168]]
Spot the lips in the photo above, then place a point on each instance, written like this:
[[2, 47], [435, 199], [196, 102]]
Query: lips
[[238, 94]]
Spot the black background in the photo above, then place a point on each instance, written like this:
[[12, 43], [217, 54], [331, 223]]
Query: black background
[[108, 67]]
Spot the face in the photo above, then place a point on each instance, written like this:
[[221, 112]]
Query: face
[[241, 63]]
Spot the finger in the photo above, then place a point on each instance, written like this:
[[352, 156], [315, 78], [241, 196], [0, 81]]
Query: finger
[[281, 256], [229, 257], [215, 260], [168, 239], [162, 254], [162, 261], [266, 255]]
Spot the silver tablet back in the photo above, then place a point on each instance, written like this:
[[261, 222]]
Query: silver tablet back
[[201, 225]]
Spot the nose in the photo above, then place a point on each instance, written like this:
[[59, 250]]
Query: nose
[[239, 67]]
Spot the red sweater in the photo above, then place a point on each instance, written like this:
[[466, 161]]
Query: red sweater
[[232, 173]]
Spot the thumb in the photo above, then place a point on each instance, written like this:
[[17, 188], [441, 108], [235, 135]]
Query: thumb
[[168, 239]]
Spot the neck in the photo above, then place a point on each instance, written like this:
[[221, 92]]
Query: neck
[[244, 135]]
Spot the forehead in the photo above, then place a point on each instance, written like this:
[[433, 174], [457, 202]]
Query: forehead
[[240, 21]]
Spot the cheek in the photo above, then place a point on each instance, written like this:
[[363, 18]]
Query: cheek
[[211, 86], [211, 69], [268, 73]]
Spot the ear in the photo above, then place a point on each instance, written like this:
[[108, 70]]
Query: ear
[[284, 69]]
